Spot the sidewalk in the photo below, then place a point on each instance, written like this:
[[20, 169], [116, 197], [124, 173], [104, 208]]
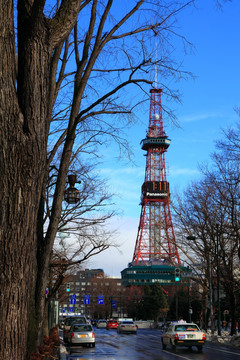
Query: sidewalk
[[62, 352]]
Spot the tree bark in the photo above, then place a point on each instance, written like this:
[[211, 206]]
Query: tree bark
[[22, 159], [24, 116]]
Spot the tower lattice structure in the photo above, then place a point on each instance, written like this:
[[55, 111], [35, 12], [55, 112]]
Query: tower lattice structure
[[155, 238]]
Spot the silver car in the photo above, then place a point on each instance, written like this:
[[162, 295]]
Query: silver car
[[69, 321], [81, 334], [127, 326], [101, 324]]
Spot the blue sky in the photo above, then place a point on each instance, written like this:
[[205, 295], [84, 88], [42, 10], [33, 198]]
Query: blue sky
[[207, 107]]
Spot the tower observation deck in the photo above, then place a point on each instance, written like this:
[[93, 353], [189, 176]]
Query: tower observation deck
[[155, 244]]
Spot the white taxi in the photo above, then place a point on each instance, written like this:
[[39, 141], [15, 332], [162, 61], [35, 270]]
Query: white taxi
[[182, 333]]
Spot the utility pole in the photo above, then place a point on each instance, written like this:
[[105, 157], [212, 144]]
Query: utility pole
[[218, 285], [211, 296], [189, 302], [177, 279]]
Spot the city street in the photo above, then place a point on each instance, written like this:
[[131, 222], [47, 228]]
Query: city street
[[146, 345]]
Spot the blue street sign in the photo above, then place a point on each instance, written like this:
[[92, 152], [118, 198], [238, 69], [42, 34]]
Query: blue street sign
[[86, 299], [100, 300], [114, 303], [73, 299], [71, 308]]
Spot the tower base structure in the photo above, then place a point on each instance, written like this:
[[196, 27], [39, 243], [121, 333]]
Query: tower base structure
[[151, 272]]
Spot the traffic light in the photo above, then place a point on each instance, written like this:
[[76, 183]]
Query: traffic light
[[177, 274], [68, 288]]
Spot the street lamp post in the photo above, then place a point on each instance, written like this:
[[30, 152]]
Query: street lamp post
[[189, 303], [218, 285]]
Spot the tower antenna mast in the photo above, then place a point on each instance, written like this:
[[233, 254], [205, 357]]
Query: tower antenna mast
[[156, 79]]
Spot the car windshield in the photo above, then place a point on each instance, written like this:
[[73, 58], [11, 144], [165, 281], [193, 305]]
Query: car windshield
[[79, 328], [187, 327], [75, 319]]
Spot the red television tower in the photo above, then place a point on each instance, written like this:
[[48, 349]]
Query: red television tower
[[155, 238]]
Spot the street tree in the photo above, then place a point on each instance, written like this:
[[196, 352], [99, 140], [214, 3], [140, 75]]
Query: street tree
[[133, 301], [154, 302], [66, 67], [210, 211]]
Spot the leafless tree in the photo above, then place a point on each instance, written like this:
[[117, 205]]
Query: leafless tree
[[66, 66], [210, 209]]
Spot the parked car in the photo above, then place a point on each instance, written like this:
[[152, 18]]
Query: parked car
[[183, 334], [69, 321], [112, 324], [127, 326], [81, 334], [101, 324]]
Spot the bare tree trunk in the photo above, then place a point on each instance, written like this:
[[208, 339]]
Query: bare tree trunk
[[45, 320], [232, 302], [22, 157]]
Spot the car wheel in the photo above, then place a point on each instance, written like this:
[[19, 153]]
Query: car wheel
[[93, 345], [163, 345], [199, 348]]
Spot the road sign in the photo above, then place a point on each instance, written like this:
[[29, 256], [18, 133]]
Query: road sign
[[73, 301], [100, 300], [71, 308], [114, 303], [86, 299]]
